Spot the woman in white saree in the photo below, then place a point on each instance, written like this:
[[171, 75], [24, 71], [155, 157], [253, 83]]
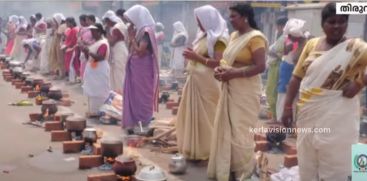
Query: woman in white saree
[[96, 84], [232, 147], [117, 37], [195, 116], [328, 75], [178, 42]]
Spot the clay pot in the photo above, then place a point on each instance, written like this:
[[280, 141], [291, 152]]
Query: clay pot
[[55, 94], [49, 106], [75, 123], [44, 89], [37, 82], [124, 166], [111, 147]]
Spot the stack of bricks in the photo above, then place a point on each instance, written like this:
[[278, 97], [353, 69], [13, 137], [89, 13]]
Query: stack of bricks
[[54, 126], [60, 135], [74, 146], [91, 161], [102, 177], [261, 143], [290, 158]]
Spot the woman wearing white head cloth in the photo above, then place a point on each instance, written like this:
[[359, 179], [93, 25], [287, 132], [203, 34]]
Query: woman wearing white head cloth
[[232, 150], [179, 41], [11, 31], [56, 54], [116, 38], [142, 72], [18, 52], [96, 84], [294, 43], [33, 48], [46, 44], [159, 35], [195, 117]]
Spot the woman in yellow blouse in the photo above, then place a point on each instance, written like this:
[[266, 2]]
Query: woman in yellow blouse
[[196, 112], [328, 75], [232, 149]]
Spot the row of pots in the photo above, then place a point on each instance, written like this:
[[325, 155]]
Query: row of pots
[[123, 165]]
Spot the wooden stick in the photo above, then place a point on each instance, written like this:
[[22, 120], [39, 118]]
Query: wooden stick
[[170, 149], [161, 135]]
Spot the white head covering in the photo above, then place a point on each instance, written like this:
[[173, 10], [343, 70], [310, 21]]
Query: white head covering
[[214, 25], [180, 30], [14, 19], [98, 20], [159, 24], [23, 23], [59, 18], [295, 27], [140, 17], [112, 17], [28, 41]]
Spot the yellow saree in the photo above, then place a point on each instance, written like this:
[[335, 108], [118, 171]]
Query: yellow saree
[[196, 112], [232, 146]]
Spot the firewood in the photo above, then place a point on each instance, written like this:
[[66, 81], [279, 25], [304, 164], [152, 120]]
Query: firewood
[[161, 135], [172, 149]]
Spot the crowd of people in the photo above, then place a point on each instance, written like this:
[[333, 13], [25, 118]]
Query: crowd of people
[[312, 82]]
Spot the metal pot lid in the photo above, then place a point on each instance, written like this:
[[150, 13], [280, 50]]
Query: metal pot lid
[[29, 79], [26, 74], [49, 102], [178, 157], [55, 89], [76, 119], [151, 173], [15, 63], [18, 69], [90, 130], [111, 141], [124, 159]]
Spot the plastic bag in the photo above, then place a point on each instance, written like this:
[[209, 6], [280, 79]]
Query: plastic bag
[[113, 106]]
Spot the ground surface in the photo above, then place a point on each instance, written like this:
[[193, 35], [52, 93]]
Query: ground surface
[[23, 148]]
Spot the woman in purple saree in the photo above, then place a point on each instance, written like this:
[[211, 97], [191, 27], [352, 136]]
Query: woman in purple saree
[[142, 72]]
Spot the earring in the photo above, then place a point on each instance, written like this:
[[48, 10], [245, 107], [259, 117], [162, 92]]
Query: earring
[[246, 20]]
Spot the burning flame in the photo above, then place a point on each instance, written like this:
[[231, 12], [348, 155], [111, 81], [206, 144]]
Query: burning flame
[[110, 160], [124, 178], [37, 88], [46, 113]]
